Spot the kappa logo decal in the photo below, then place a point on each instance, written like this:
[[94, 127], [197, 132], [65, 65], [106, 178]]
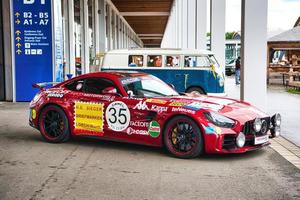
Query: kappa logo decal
[[141, 106]]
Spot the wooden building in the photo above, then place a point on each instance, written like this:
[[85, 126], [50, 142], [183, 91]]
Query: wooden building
[[284, 52]]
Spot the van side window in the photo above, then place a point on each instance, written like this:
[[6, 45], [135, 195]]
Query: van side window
[[196, 61], [172, 61], [135, 61], [154, 61]]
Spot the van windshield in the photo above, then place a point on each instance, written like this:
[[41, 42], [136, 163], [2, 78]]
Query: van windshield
[[146, 86], [202, 61]]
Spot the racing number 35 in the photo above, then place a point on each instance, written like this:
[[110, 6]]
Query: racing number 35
[[121, 117], [117, 116]]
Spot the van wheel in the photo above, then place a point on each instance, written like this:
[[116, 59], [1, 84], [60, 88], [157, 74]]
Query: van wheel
[[195, 90]]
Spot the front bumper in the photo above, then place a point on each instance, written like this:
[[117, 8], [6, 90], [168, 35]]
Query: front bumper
[[225, 143]]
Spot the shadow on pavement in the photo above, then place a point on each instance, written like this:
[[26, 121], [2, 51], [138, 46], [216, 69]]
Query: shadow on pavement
[[122, 146]]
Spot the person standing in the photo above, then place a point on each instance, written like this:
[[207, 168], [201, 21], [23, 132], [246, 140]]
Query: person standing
[[238, 71]]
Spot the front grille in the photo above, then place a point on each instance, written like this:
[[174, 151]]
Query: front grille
[[229, 141], [248, 127]]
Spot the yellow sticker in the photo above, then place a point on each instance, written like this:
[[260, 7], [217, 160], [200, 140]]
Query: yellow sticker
[[158, 101], [218, 130], [177, 103], [33, 113], [89, 116]]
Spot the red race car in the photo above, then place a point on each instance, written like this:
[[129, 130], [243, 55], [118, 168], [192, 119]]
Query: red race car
[[140, 108]]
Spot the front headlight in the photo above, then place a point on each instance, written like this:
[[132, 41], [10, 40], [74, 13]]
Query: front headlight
[[219, 120], [257, 125], [276, 119], [240, 140]]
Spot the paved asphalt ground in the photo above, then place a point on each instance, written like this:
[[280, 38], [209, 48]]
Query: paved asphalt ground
[[93, 169]]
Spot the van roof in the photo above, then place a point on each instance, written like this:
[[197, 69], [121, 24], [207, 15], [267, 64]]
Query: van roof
[[160, 51]]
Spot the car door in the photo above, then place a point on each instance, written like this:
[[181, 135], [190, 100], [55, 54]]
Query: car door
[[88, 105]]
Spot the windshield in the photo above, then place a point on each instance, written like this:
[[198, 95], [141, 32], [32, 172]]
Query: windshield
[[213, 61], [146, 86]]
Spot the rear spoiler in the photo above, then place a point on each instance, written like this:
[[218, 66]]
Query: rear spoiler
[[42, 86]]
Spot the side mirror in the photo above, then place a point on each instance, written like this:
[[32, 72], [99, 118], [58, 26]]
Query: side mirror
[[110, 91]]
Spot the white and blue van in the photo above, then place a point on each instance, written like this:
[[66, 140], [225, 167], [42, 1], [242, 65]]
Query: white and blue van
[[188, 70]]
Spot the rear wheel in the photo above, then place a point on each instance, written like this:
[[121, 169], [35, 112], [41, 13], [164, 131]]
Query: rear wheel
[[182, 137], [54, 125], [195, 90]]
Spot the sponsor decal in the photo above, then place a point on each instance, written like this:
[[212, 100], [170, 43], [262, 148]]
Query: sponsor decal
[[129, 80], [117, 116], [154, 129], [177, 104], [131, 131], [56, 95], [100, 97], [158, 101], [141, 106], [209, 130], [179, 109], [212, 130], [159, 109], [139, 124], [214, 107], [88, 116], [218, 130], [133, 98], [194, 106]]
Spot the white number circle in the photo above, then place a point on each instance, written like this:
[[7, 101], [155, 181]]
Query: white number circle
[[117, 116]]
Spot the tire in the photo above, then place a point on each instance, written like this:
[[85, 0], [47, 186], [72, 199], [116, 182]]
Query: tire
[[195, 90], [54, 124], [186, 143]]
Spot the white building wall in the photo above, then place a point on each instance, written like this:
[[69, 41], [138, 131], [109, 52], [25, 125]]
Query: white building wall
[[186, 27], [217, 30], [254, 52]]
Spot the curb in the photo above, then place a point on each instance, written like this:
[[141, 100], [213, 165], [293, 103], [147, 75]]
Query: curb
[[288, 150]]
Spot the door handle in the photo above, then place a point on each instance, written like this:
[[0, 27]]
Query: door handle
[[177, 75]]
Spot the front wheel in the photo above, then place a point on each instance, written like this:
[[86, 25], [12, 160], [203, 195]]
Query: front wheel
[[54, 125], [183, 138]]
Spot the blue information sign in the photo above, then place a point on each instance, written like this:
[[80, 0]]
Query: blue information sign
[[33, 45]]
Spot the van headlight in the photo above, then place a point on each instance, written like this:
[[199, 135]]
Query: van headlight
[[257, 124], [219, 120], [221, 81]]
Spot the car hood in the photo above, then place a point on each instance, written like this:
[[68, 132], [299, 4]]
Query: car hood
[[231, 108]]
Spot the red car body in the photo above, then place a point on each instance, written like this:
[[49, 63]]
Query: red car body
[[144, 120]]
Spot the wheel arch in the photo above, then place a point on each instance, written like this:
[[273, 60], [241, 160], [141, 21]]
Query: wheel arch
[[53, 104], [196, 86], [178, 115]]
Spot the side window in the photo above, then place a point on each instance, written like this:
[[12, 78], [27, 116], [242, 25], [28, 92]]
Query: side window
[[172, 61], [135, 61], [75, 86], [96, 85], [154, 61], [197, 61]]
